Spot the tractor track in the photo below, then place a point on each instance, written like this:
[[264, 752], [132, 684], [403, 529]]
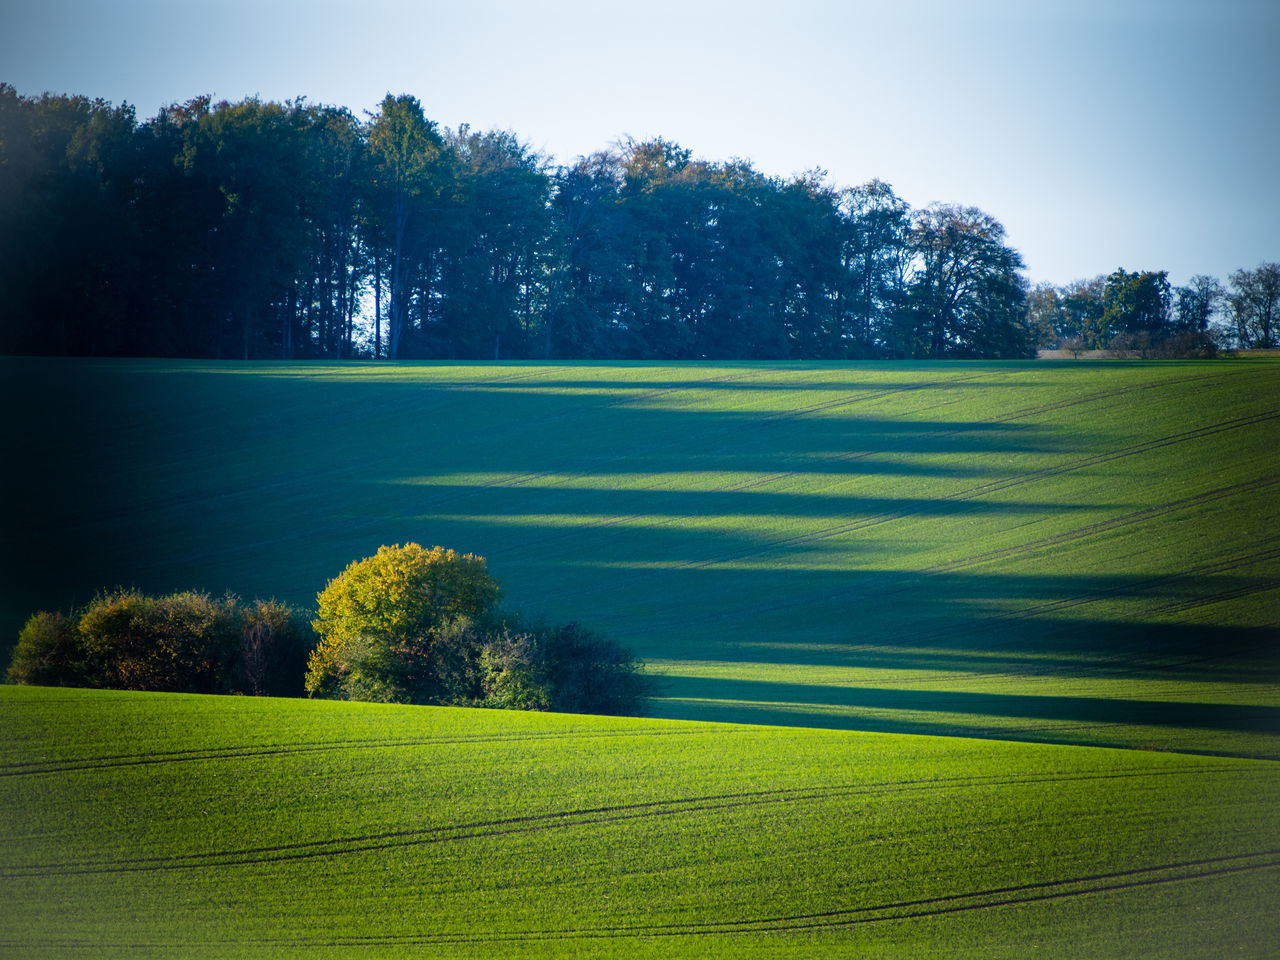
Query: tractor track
[[562, 819], [40, 767]]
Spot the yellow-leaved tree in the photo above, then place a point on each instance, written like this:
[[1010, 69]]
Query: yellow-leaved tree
[[402, 625]]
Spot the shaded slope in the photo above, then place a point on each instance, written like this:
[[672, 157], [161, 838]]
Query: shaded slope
[[778, 539]]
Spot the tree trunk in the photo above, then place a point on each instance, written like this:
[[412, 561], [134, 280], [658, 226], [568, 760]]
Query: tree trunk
[[244, 326], [377, 306]]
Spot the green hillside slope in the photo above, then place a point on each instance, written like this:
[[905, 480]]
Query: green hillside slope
[[1071, 552], [157, 825]]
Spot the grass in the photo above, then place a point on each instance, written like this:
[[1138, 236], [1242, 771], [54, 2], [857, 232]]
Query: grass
[[1032, 565], [1064, 552], [185, 826]]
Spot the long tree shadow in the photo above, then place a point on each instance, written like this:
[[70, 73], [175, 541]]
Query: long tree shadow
[[1026, 706], [689, 531], [1258, 742]]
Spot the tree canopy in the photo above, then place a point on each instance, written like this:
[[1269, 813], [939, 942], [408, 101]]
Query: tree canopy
[[294, 230], [387, 624]]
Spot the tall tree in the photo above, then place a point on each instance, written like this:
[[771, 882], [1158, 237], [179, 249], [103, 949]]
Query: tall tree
[[1046, 318], [405, 151], [493, 246], [68, 274], [333, 164], [1083, 303], [876, 257], [588, 278], [1255, 305], [1137, 303], [966, 297], [254, 153], [1198, 302]]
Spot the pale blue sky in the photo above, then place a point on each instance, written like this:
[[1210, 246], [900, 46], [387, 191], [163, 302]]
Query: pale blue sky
[[1102, 133]]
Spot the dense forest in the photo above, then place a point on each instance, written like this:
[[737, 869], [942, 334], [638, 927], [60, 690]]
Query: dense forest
[[293, 230]]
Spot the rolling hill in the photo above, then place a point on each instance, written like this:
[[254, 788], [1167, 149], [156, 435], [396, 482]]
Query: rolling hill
[[167, 825], [1057, 551], [996, 644]]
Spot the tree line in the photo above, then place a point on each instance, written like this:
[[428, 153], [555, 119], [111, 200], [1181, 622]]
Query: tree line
[[295, 230], [1141, 312]]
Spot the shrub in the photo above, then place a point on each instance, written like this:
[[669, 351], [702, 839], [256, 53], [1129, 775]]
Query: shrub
[[412, 625], [48, 652], [1189, 345], [516, 674], [273, 648], [181, 642], [391, 625], [566, 669]]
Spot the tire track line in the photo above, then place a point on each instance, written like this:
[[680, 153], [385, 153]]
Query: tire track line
[[532, 823], [1214, 568], [899, 581], [35, 767], [993, 898], [1256, 485], [520, 480]]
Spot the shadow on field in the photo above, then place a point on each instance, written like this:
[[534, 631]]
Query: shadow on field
[[975, 707], [267, 480], [896, 524], [1256, 743]]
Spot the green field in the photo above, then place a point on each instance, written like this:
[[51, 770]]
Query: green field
[[174, 825], [1055, 551], [1065, 574]]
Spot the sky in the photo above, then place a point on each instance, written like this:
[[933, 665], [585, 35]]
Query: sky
[[1142, 134]]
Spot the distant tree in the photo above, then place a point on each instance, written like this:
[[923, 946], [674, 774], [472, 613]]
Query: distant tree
[[588, 277], [493, 246], [1254, 299], [1197, 303], [1045, 316], [815, 285], [876, 257], [254, 155], [320, 315], [1073, 345], [407, 174], [1082, 304], [261, 229], [966, 297], [1137, 303], [69, 278]]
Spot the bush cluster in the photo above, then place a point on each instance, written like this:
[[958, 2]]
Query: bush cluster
[[407, 625], [1179, 345], [417, 625], [566, 669], [183, 642]]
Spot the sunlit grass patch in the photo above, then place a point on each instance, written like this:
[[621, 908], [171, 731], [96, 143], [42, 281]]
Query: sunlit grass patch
[[170, 825]]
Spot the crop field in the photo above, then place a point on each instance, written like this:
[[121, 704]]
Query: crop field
[[173, 825], [1066, 552], [993, 647]]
